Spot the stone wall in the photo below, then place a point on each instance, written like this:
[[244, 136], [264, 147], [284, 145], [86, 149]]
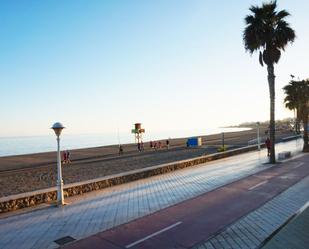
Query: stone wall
[[24, 200]]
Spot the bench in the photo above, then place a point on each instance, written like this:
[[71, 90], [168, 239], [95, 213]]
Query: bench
[[284, 155]]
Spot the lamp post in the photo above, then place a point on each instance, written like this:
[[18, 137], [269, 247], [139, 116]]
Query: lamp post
[[258, 134], [58, 127], [222, 138]]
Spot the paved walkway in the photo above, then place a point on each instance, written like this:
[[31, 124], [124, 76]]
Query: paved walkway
[[108, 208], [294, 235]]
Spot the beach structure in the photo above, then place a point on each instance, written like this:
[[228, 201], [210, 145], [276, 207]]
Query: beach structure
[[194, 142], [138, 132]]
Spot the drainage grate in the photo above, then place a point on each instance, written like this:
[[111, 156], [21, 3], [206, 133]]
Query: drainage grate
[[64, 240]]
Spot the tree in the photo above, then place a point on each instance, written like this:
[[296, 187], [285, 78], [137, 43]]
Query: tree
[[297, 97], [267, 31], [292, 101]]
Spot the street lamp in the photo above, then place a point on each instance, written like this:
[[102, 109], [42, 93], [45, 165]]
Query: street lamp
[[258, 134], [58, 127]]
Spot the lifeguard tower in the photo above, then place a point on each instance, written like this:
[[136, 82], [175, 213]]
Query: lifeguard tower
[[138, 131]]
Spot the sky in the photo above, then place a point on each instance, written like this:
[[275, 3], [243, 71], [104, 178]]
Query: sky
[[97, 66]]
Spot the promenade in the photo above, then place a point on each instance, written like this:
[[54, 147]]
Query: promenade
[[264, 194]]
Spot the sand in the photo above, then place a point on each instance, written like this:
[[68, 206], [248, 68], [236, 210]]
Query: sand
[[25, 173]]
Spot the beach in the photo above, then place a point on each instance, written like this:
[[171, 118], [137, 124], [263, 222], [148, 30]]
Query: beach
[[30, 172]]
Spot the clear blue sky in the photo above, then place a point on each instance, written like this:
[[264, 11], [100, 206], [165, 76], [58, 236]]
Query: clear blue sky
[[170, 64]]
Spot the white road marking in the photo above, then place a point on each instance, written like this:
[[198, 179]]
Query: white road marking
[[257, 185], [288, 176], [153, 234], [298, 165]]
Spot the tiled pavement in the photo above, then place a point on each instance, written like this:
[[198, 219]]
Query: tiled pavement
[[294, 235], [104, 209], [251, 230]]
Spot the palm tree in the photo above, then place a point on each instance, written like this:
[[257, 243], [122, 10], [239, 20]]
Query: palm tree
[[297, 96], [292, 101], [267, 31]]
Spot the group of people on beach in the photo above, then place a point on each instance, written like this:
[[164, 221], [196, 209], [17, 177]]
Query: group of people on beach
[[158, 145], [154, 145], [66, 157]]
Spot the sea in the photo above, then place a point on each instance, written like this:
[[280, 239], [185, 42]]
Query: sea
[[10, 146]]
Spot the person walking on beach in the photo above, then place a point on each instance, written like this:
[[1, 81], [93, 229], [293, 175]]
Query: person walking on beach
[[68, 156], [120, 150], [64, 155], [151, 145], [168, 144], [268, 145], [142, 146], [139, 146]]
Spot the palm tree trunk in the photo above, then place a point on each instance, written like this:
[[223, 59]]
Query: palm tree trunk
[[295, 125], [298, 120], [305, 124], [271, 84]]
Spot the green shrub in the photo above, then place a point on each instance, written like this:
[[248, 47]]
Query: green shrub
[[222, 148]]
